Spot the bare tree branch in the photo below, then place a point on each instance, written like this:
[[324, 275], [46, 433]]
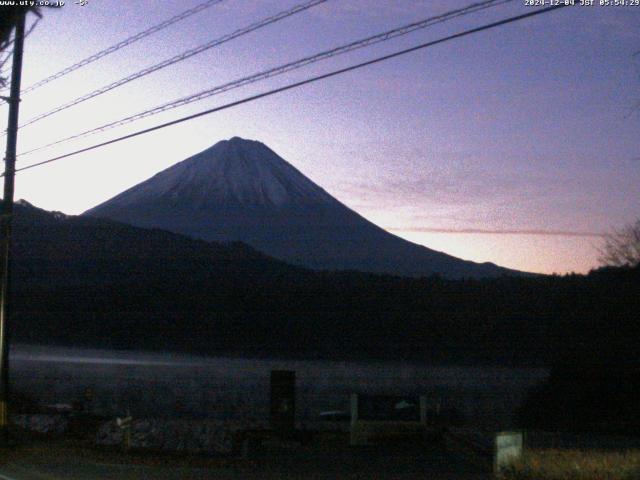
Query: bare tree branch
[[622, 247]]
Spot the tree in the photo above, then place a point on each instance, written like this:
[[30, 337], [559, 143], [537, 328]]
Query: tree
[[622, 247], [9, 15]]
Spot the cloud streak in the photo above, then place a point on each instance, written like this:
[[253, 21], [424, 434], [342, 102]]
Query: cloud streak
[[499, 231]]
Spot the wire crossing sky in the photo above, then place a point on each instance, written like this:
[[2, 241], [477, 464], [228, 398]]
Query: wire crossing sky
[[122, 44], [515, 146], [298, 84], [178, 58], [281, 69]]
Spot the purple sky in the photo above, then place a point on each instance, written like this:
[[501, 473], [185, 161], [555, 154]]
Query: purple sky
[[505, 146]]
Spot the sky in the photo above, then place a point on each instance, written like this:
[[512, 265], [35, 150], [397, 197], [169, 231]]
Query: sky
[[518, 145]]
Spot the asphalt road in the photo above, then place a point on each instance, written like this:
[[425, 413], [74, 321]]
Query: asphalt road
[[328, 460]]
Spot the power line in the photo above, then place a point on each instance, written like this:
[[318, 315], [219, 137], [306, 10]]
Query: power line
[[299, 84], [123, 43], [178, 58], [10, 54], [4, 60], [281, 69]]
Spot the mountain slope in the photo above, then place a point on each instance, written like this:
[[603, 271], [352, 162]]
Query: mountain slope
[[55, 250], [240, 190]]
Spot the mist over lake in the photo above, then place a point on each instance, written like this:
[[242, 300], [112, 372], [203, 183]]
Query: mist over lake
[[169, 385]]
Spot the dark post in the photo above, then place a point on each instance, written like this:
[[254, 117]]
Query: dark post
[[283, 402], [6, 220]]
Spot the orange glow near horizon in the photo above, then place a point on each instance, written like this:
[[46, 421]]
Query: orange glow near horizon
[[531, 253]]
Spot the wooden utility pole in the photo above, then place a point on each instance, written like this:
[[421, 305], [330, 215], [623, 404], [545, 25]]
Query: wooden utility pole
[[6, 220]]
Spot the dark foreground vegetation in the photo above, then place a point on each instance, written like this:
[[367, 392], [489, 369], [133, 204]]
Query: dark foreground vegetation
[[88, 282], [587, 393]]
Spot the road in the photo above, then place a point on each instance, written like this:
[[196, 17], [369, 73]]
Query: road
[[71, 461]]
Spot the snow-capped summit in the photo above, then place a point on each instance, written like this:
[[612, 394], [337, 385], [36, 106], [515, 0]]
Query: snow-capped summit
[[232, 172], [240, 190]]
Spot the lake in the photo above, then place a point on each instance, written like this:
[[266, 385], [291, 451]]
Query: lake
[[170, 385]]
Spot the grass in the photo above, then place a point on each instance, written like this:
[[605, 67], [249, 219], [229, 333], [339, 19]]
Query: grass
[[575, 465]]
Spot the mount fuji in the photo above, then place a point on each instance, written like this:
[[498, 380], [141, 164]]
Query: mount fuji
[[240, 190]]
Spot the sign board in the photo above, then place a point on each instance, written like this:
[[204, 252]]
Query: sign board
[[389, 408], [383, 418], [508, 448], [283, 401]]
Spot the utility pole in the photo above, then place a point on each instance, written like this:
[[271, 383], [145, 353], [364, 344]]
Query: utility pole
[[6, 220]]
